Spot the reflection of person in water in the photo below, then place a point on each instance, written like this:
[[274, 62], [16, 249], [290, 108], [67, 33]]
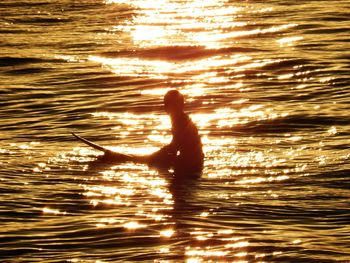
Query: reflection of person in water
[[184, 153]]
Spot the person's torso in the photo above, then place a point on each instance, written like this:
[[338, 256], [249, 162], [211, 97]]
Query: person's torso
[[187, 137]]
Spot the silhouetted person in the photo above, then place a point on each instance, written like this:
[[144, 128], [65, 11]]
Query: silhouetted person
[[184, 153]]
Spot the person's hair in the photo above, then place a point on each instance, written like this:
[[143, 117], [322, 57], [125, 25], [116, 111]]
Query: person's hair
[[174, 100]]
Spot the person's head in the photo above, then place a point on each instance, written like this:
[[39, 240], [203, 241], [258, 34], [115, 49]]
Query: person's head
[[174, 102]]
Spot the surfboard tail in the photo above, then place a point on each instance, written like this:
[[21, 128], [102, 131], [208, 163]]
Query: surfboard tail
[[110, 155], [93, 145]]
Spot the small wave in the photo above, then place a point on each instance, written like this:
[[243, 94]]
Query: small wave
[[23, 3], [27, 71], [286, 63], [178, 52], [12, 31], [328, 30], [293, 123], [14, 61], [42, 20]]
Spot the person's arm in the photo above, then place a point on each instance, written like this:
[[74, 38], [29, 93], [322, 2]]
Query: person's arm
[[166, 154], [172, 147], [165, 151]]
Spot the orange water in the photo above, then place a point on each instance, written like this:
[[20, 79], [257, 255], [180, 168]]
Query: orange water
[[266, 83]]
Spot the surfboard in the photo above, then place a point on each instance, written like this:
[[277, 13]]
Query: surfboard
[[110, 155], [157, 159], [93, 145]]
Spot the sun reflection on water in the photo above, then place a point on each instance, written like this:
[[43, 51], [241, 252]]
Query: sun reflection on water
[[212, 23], [182, 44], [159, 69], [170, 23], [48, 210], [231, 250], [231, 162], [220, 118]]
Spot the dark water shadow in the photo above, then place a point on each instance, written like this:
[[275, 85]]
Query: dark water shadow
[[184, 192], [182, 186]]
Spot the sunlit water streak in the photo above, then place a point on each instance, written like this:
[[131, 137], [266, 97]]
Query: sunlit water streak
[[267, 85]]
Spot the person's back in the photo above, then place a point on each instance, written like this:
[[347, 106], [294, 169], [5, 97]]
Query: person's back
[[188, 143], [184, 152]]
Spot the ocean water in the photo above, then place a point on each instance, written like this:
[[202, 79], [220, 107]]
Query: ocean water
[[267, 84]]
